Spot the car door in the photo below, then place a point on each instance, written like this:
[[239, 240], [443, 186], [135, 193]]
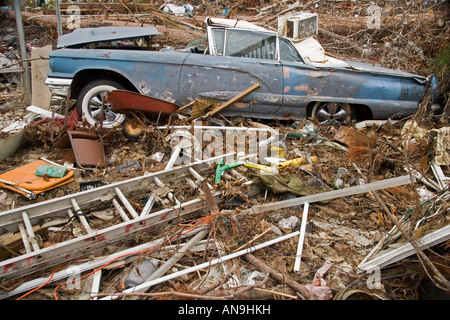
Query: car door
[[236, 60]]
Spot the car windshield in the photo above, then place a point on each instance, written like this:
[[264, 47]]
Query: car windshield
[[288, 52]]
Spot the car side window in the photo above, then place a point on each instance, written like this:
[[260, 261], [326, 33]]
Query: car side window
[[219, 40], [288, 52], [250, 44]]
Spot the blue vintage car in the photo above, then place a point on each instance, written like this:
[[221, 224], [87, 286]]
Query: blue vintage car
[[295, 84]]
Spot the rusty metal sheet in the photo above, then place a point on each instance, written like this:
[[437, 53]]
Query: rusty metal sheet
[[123, 101]]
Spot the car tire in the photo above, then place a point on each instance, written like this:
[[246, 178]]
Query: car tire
[[90, 101], [334, 113]]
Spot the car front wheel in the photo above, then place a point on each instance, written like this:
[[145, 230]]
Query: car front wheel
[[89, 103], [333, 113]]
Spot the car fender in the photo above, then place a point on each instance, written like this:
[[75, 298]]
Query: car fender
[[151, 73]]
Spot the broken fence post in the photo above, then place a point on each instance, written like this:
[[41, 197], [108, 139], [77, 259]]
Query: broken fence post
[[238, 97], [262, 266]]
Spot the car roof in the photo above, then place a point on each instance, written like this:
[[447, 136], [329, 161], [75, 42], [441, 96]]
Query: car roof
[[231, 23]]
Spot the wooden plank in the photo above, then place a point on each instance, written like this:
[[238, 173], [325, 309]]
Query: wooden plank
[[233, 100], [41, 95]]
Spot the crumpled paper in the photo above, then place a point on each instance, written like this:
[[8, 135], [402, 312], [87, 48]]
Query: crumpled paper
[[188, 143], [442, 146], [319, 287]]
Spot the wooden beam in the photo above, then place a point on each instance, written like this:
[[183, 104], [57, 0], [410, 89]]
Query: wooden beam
[[233, 100], [279, 276]]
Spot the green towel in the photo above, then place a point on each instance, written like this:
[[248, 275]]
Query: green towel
[[51, 171], [281, 183]]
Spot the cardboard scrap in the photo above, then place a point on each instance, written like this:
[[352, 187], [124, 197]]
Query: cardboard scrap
[[351, 137]]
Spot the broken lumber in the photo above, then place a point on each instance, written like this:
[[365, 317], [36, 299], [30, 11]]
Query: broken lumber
[[278, 276], [342, 39], [437, 276], [233, 100], [165, 17]]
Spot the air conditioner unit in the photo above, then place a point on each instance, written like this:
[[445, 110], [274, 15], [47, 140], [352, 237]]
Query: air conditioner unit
[[298, 26]]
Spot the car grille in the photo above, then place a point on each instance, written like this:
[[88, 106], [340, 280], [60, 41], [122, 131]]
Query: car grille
[[410, 93]]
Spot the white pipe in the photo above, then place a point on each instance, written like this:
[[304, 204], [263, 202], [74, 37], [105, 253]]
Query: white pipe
[[214, 128], [298, 256]]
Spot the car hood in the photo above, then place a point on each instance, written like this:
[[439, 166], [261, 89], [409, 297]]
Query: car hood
[[91, 35], [366, 67]]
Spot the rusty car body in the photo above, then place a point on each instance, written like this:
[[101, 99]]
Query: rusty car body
[[234, 56]]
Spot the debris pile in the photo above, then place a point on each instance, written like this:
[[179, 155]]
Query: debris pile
[[244, 241]]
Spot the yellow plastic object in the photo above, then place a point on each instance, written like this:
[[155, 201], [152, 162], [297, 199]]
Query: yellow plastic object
[[25, 177], [295, 162], [277, 151], [260, 167]]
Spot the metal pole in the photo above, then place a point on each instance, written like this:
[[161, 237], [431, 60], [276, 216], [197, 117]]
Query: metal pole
[[23, 53], [58, 18]]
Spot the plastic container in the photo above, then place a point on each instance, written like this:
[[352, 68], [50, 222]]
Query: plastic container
[[140, 273]]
